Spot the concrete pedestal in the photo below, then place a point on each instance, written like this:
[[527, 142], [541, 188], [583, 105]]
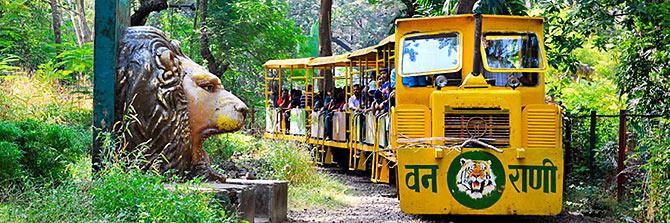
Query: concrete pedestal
[[252, 200], [271, 198]]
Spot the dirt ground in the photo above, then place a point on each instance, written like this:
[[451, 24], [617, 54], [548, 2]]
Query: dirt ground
[[379, 203]]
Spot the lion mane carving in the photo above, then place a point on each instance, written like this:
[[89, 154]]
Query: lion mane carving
[[167, 105]]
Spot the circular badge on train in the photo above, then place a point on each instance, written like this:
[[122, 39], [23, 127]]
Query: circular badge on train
[[476, 179]]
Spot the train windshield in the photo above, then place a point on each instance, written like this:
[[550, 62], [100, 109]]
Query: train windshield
[[427, 54], [512, 51]]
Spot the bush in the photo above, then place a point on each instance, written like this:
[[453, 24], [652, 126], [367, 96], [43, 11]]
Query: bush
[[23, 98], [10, 161], [222, 147], [117, 195], [39, 151], [134, 196], [589, 200], [657, 174]]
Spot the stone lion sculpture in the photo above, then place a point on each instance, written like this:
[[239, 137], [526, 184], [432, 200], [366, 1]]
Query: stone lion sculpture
[[167, 105]]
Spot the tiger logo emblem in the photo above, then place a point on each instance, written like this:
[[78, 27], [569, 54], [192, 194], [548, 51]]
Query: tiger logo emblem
[[475, 178]]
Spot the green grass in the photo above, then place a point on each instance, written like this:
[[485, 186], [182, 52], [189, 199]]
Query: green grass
[[281, 160], [118, 194], [322, 192]]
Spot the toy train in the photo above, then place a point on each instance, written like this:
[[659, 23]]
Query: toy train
[[450, 108]]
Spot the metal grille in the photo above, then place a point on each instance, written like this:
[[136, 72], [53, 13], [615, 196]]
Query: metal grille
[[411, 123], [489, 126], [542, 128]]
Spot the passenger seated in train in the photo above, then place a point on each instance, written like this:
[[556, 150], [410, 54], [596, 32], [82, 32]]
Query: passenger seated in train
[[328, 107], [294, 103], [274, 96], [283, 101], [318, 101], [368, 96], [337, 104], [382, 95], [392, 88], [354, 103], [306, 98]]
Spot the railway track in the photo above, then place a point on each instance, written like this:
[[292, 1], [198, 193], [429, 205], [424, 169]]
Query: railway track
[[379, 203]]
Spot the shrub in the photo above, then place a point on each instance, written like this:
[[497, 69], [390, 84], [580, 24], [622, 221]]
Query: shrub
[[657, 174], [133, 196], [589, 200], [10, 158], [116, 195], [222, 147], [23, 98], [44, 150]]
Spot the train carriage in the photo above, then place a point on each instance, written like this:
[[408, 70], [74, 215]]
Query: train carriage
[[466, 129]]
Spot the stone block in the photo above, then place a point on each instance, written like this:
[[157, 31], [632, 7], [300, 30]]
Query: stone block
[[236, 198], [271, 198]]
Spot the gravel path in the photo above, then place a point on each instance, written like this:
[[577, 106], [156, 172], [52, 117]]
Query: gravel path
[[378, 203]]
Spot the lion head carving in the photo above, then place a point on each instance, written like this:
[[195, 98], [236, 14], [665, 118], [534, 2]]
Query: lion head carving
[[167, 105]]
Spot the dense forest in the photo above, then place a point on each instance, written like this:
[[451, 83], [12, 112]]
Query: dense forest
[[605, 56]]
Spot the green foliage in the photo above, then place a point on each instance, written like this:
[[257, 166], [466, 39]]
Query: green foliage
[[23, 98], [76, 61], [247, 33], [178, 25], [322, 191], [654, 200], [133, 196], [25, 31], [500, 7], [589, 200], [10, 161], [117, 194], [6, 62], [67, 202], [222, 147], [45, 150], [270, 159], [280, 160]]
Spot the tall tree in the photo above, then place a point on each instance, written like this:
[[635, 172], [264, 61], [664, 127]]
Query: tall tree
[[216, 67], [325, 38], [76, 24], [55, 16], [85, 30]]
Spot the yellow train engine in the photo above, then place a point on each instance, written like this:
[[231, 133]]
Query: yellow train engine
[[462, 120]]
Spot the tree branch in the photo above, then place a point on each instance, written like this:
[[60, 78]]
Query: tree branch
[[214, 67], [341, 43], [139, 18]]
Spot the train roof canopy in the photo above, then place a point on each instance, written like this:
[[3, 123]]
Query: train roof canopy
[[365, 52], [335, 61], [288, 63], [388, 40]]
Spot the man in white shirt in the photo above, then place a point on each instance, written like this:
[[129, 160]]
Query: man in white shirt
[[354, 101]]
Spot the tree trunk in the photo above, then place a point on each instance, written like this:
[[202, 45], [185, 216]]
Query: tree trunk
[[55, 16], [325, 38], [139, 18], [465, 6], [75, 24], [213, 66], [411, 10], [83, 24]]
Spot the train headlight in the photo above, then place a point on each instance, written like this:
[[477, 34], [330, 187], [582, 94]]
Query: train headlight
[[441, 81], [513, 82]]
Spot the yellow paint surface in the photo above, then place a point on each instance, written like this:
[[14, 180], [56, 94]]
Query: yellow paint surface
[[224, 122]]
